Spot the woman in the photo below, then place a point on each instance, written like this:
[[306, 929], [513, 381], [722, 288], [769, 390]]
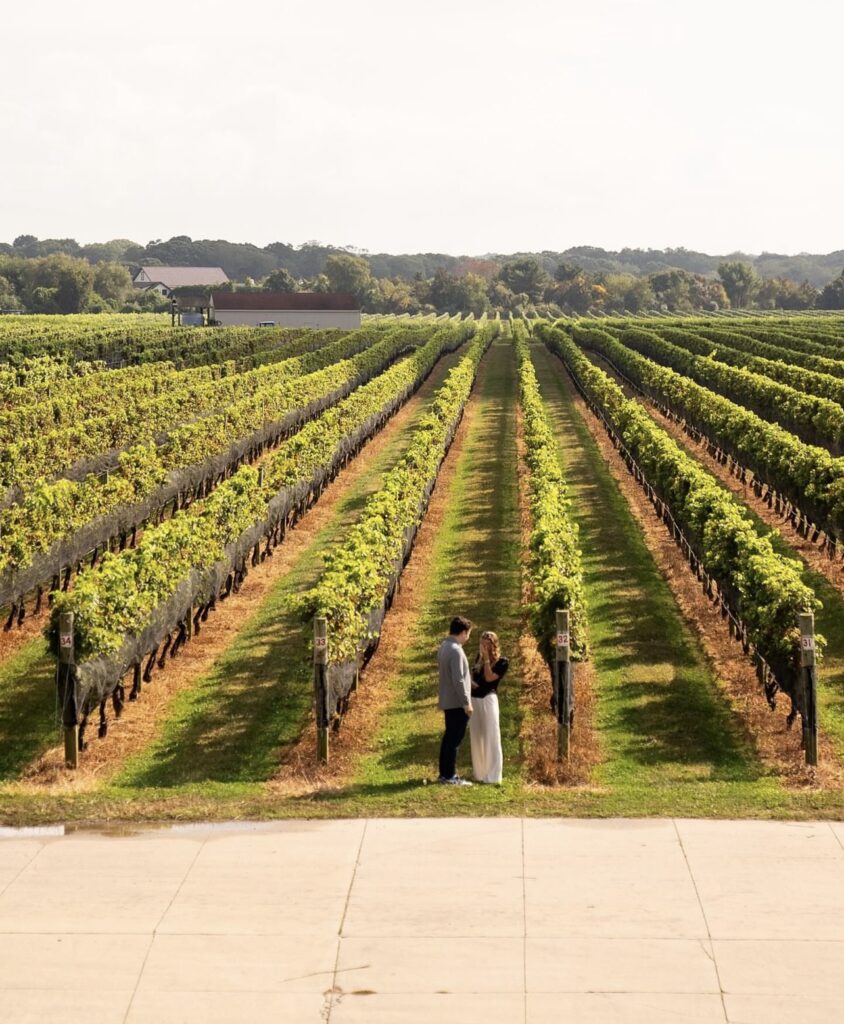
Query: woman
[[484, 731]]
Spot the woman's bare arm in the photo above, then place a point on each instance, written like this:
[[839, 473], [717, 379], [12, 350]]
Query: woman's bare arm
[[489, 675]]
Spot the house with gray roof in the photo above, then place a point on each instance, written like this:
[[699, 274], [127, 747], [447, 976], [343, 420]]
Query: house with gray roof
[[165, 279]]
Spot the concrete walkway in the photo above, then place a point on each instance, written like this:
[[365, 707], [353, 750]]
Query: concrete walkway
[[482, 920]]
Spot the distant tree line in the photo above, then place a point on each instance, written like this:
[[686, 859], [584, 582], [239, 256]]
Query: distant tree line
[[523, 286], [61, 276]]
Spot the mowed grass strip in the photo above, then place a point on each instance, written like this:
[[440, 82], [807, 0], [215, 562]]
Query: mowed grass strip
[[28, 712], [472, 568], [233, 722], [661, 718]]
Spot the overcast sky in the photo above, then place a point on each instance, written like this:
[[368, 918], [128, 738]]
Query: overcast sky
[[461, 126]]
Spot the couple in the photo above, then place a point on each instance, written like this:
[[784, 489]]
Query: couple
[[470, 698]]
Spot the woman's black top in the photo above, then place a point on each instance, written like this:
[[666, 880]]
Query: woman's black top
[[484, 688]]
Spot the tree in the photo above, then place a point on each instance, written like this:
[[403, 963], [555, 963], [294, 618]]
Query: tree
[[350, 274], [395, 296], [73, 282], [109, 252], [146, 301], [832, 297], [280, 280], [8, 296], [488, 269], [782, 293], [502, 297], [67, 280], [740, 280], [42, 299], [707, 293], [112, 282], [638, 295], [566, 271], [441, 291], [526, 276], [574, 295], [319, 284], [470, 294], [672, 289]]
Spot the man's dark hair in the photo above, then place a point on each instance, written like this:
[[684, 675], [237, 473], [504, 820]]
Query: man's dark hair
[[459, 625]]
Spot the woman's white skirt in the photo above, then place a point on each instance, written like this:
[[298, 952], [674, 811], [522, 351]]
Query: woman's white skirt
[[485, 738]]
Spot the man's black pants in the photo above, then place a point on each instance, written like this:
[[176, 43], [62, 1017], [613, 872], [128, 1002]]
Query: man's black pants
[[456, 721]]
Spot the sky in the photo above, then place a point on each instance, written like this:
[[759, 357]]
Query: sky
[[466, 126]]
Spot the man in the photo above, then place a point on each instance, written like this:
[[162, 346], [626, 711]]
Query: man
[[455, 697]]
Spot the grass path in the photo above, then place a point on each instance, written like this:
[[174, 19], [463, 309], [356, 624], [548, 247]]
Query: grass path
[[471, 567], [233, 722], [660, 715], [28, 720]]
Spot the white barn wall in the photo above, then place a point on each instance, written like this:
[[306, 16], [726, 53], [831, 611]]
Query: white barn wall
[[344, 319]]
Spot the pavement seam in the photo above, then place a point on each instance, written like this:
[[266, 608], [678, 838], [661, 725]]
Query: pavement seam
[[711, 952], [524, 919], [837, 837], [164, 913], [31, 861], [329, 1001]]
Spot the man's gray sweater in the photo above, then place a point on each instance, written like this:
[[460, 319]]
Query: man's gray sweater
[[455, 678]]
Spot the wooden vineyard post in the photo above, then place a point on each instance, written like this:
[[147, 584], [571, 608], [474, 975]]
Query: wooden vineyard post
[[563, 689], [810, 687], [321, 686], [67, 690]]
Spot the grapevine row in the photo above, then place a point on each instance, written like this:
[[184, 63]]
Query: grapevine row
[[50, 453], [790, 334], [761, 589], [67, 399], [118, 339], [57, 523], [811, 382], [792, 338], [813, 418], [136, 599], [555, 569], [810, 478], [752, 345]]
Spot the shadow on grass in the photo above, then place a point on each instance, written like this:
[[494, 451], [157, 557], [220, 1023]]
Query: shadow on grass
[[229, 727], [385, 790], [28, 724], [658, 703]]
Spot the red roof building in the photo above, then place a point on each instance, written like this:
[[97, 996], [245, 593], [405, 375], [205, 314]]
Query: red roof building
[[288, 309]]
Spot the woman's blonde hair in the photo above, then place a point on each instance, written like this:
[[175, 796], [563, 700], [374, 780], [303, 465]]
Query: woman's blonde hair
[[494, 644]]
